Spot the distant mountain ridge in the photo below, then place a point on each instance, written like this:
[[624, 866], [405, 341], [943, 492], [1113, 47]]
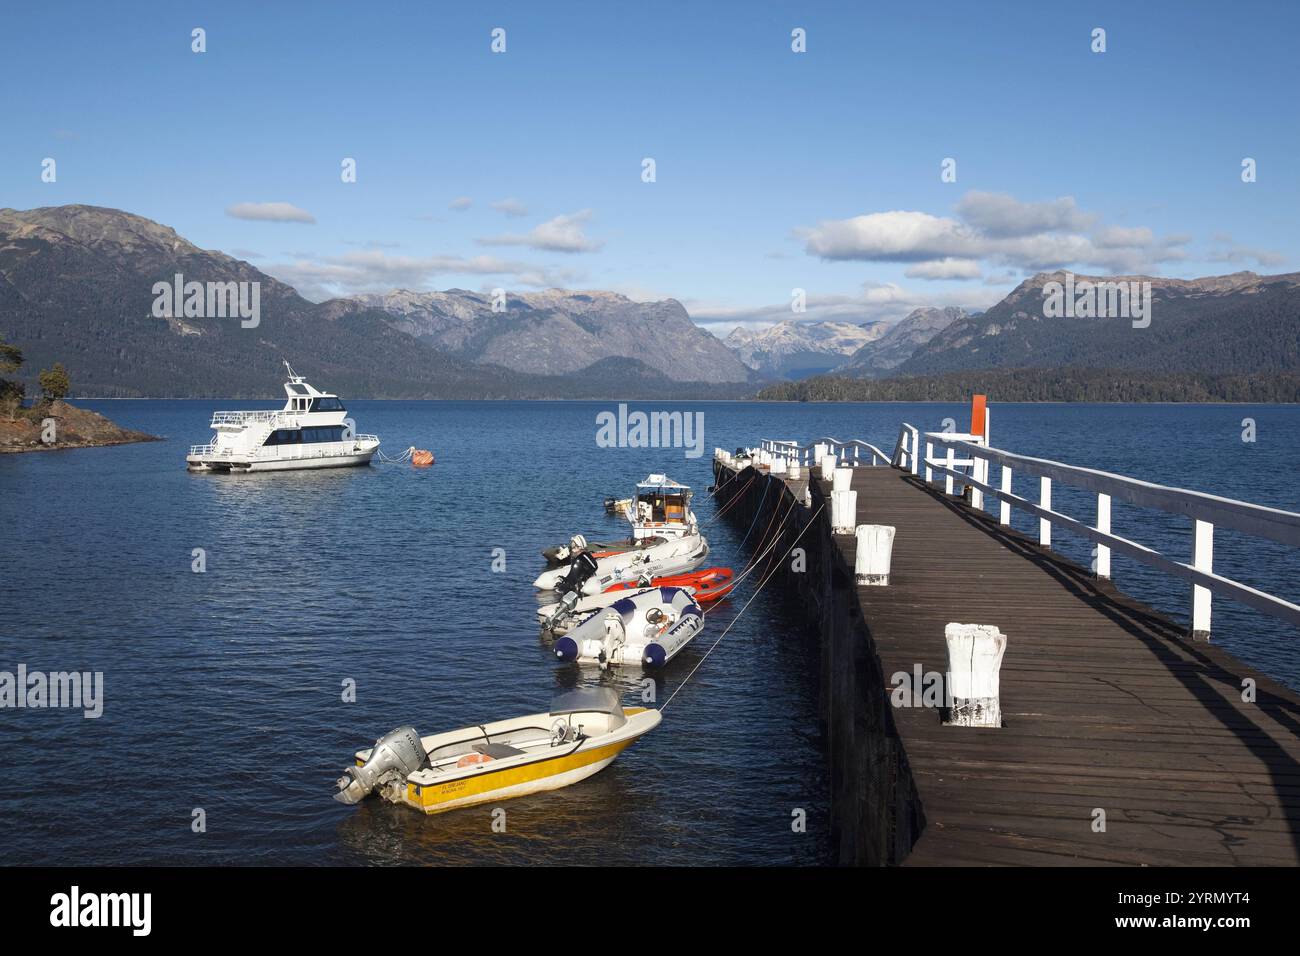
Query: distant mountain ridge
[[555, 332], [76, 286], [900, 341], [792, 349], [1230, 324]]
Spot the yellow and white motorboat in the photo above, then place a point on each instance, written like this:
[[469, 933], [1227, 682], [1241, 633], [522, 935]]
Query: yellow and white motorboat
[[582, 733]]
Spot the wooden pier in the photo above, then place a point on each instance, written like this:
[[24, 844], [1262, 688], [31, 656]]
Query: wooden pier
[[1123, 741]]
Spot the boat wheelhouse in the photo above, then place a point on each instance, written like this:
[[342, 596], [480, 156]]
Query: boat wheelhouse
[[662, 509], [311, 431]]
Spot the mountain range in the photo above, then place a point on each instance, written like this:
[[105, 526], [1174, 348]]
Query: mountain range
[[554, 332], [793, 349], [901, 341], [1232, 324], [77, 287]]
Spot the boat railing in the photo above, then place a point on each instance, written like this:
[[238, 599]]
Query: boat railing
[[848, 452], [1206, 511], [277, 416], [207, 449]]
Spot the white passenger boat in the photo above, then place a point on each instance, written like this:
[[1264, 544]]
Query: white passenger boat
[[665, 540], [311, 431], [582, 733], [646, 629]]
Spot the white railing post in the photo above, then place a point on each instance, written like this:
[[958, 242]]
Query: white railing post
[[979, 473], [1202, 560], [1004, 512], [952, 463], [929, 454], [916, 449], [1045, 502], [1102, 570]]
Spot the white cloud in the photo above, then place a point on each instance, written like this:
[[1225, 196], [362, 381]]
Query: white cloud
[[511, 207], [945, 269], [270, 212], [1231, 252], [991, 230], [1003, 216], [319, 278], [877, 301], [460, 204], [561, 234]]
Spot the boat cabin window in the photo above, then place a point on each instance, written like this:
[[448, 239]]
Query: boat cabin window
[[327, 404], [300, 436], [663, 507]]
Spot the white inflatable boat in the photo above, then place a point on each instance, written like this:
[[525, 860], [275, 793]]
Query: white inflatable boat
[[573, 608], [674, 556], [647, 629]]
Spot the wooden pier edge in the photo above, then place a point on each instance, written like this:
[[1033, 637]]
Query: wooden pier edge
[[1112, 718]]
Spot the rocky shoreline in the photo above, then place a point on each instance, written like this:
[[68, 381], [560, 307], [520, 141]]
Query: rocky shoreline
[[73, 428]]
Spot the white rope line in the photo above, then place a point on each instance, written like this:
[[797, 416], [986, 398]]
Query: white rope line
[[776, 538], [404, 456], [757, 591]]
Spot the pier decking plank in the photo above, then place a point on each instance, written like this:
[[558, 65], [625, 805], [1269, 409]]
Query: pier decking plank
[[1106, 704]]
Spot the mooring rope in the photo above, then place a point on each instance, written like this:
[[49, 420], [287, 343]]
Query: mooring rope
[[404, 456], [756, 593], [730, 504], [757, 512], [776, 538]]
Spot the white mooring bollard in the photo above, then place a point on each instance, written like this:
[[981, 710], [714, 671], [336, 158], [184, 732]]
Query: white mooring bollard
[[795, 470], [875, 550], [827, 463], [974, 660], [844, 511], [842, 479], [820, 451], [778, 465]]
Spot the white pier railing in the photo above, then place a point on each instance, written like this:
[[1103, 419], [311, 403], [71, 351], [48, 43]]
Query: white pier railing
[[1205, 511], [852, 451]]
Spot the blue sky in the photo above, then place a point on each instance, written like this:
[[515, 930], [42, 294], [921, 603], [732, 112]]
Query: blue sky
[[774, 170]]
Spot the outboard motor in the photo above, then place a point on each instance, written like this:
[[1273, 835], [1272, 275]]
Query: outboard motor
[[610, 505], [399, 753], [561, 613], [580, 570]]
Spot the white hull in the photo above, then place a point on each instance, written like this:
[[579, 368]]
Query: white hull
[[582, 609], [672, 557], [241, 466]]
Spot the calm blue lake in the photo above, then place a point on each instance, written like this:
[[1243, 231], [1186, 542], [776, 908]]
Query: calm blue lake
[[224, 689]]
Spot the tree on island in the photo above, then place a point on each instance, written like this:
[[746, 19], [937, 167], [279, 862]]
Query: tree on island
[[11, 393], [55, 383]]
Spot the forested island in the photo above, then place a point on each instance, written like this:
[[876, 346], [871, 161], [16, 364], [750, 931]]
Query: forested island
[[50, 423]]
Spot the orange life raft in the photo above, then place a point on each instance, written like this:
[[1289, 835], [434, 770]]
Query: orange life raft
[[709, 583], [421, 458]]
